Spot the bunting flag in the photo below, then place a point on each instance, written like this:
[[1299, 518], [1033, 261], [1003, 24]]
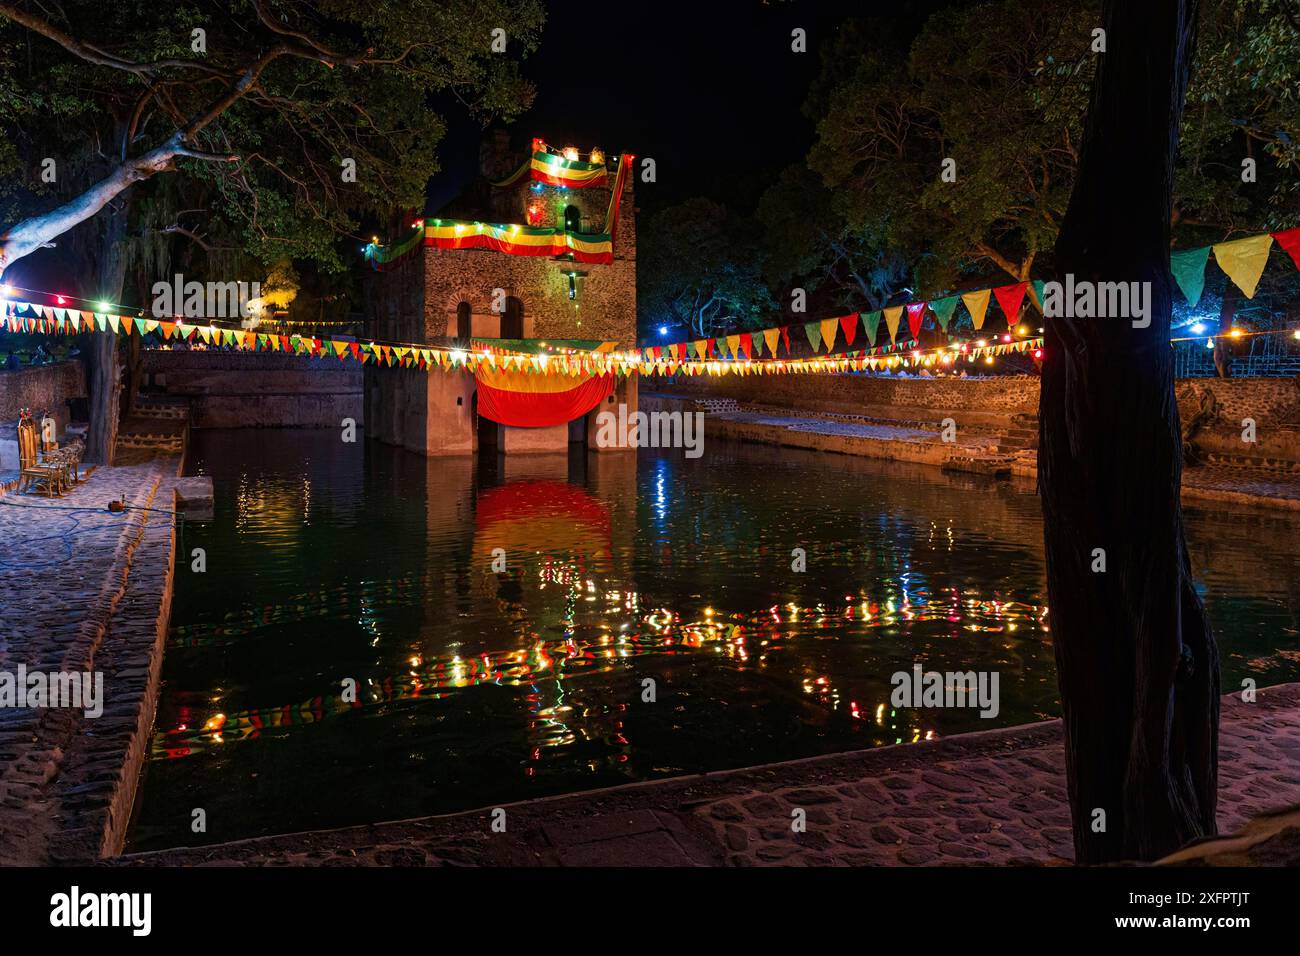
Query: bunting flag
[[829, 329], [943, 310], [915, 315], [891, 321], [1039, 287], [1243, 260], [849, 323], [1290, 243], [747, 344], [814, 333], [770, 338], [733, 345], [1188, 268], [977, 303], [1010, 298], [870, 323], [785, 338]]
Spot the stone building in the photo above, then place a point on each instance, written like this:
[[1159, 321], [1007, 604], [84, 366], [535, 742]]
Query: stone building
[[538, 254]]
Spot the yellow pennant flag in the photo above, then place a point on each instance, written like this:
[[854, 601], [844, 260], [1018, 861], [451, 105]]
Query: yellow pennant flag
[[829, 328], [977, 303], [893, 315], [733, 343], [770, 338], [1243, 260]]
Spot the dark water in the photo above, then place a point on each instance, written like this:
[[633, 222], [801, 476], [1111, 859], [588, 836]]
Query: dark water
[[330, 561]]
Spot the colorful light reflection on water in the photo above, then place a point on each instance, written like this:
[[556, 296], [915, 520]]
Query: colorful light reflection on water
[[330, 562]]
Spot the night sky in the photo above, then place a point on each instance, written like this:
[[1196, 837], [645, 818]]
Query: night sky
[[710, 90]]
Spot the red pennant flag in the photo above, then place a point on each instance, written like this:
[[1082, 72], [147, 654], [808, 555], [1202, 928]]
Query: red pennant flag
[[355, 348], [1009, 298], [1289, 240], [915, 314], [747, 344], [849, 323], [785, 337], [709, 347]]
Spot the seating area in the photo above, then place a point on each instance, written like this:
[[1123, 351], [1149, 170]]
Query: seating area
[[44, 465]]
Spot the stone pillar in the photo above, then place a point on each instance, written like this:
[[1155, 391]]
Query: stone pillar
[[449, 426], [625, 393]]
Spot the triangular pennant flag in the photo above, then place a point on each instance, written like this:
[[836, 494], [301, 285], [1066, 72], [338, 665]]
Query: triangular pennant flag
[[849, 323], [785, 338], [943, 310], [1038, 286], [1188, 268], [770, 338], [1290, 243], [891, 321], [1243, 260], [915, 315], [139, 326], [339, 347], [977, 303], [829, 329], [710, 347], [733, 343], [747, 344], [1010, 298], [870, 323], [814, 333]]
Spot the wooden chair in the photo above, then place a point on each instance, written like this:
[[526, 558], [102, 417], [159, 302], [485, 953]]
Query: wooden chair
[[32, 471], [68, 458]]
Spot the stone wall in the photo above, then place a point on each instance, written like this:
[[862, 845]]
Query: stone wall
[[990, 403], [246, 390], [42, 388], [983, 401]]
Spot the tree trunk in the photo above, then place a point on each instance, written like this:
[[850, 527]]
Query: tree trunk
[[1223, 345], [105, 364], [1137, 665]]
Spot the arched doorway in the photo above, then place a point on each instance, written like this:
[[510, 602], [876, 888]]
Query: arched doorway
[[512, 320], [572, 219], [464, 323]]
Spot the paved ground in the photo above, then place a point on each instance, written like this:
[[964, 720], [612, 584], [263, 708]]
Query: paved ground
[[995, 797], [83, 591]]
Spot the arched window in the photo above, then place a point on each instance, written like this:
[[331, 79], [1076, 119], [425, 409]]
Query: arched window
[[572, 219], [463, 323], [512, 320]]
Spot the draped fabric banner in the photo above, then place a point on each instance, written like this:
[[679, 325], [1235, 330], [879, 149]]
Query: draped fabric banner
[[537, 401]]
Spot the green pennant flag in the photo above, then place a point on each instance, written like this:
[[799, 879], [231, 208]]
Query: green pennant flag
[[943, 310], [756, 343], [814, 332], [139, 326], [690, 350], [1039, 287], [1188, 268], [870, 322]]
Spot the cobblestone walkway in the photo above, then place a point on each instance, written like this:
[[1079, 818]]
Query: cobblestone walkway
[[996, 797], [82, 590]]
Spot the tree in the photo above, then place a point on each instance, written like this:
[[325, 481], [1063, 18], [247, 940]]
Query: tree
[[806, 239], [699, 270], [297, 117], [1137, 664], [998, 91]]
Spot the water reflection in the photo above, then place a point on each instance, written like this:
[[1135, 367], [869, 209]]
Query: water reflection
[[330, 563]]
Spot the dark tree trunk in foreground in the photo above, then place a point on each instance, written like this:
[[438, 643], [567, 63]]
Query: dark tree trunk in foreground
[[1136, 662]]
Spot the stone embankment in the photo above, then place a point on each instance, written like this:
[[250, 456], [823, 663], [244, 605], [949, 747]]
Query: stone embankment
[[993, 797]]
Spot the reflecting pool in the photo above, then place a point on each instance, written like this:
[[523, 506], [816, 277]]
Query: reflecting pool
[[505, 623]]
